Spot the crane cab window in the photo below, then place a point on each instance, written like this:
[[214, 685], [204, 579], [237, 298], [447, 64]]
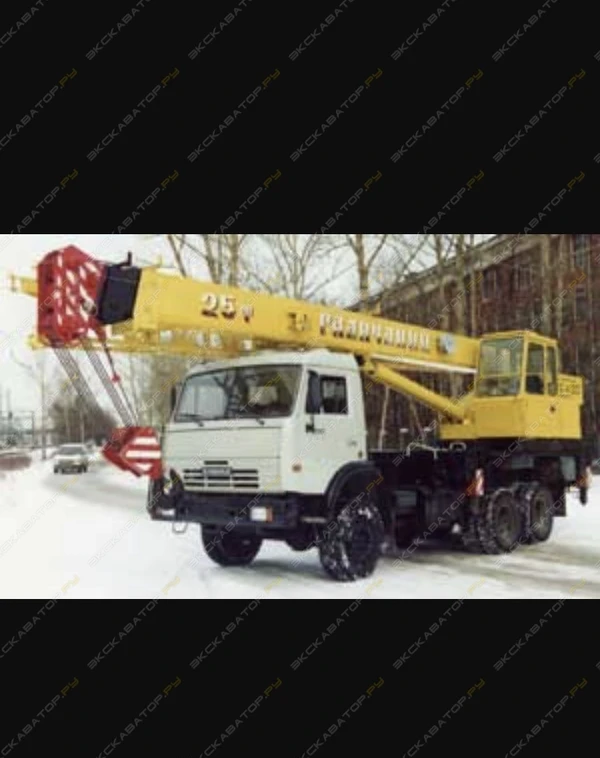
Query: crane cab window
[[534, 381], [552, 358], [500, 367]]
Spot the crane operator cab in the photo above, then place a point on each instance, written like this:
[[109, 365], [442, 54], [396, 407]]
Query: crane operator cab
[[519, 392]]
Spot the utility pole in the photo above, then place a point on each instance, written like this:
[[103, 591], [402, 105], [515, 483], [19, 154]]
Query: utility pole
[[81, 423], [43, 419]]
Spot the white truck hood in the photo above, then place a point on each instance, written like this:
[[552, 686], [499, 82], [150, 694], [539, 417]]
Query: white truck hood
[[224, 458]]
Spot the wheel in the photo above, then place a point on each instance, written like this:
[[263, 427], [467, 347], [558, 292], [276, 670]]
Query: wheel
[[230, 549], [539, 513], [302, 539], [496, 528], [502, 522], [351, 547]]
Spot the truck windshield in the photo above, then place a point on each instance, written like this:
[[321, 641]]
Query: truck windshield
[[67, 450], [500, 367], [244, 392]]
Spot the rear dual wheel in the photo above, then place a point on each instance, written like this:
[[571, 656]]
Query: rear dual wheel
[[497, 526], [508, 515], [538, 504]]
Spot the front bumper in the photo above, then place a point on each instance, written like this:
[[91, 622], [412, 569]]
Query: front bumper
[[221, 509]]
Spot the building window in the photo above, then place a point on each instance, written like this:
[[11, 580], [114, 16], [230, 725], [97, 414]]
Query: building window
[[489, 284], [567, 311], [523, 277], [581, 246], [536, 315], [581, 304]]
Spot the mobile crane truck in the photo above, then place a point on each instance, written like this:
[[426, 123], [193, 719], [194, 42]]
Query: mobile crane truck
[[273, 444]]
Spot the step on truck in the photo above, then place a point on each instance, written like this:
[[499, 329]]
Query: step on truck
[[272, 443]]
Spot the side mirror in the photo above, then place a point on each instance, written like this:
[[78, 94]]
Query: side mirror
[[313, 398], [175, 391]]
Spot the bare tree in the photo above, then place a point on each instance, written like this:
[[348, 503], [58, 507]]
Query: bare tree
[[406, 251], [298, 266], [366, 248], [221, 254], [546, 277], [563, 250], [177, 244]]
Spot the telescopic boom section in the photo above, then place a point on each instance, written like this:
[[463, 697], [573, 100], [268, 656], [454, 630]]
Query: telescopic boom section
[[78, 294], [157, 302]]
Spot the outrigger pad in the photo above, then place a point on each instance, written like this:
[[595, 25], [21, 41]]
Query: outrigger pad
[[135, 449]]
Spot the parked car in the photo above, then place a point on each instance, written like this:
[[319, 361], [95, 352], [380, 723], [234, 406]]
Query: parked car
[[71, 458]]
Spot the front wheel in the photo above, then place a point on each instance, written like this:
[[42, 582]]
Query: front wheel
[[351, 547], [230, 549]]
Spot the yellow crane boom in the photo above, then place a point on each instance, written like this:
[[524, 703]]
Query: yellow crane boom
[[378, 343]]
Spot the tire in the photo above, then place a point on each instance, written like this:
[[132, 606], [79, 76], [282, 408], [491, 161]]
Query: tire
[[352, 549], [502, 522], [231, 549], [302, 539], [538, 502]]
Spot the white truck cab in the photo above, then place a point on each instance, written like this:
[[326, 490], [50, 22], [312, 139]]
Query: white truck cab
[[271, 422]]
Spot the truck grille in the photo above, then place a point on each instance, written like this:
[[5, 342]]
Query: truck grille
[[220, 475]]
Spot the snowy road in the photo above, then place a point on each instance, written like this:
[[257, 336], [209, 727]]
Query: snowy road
[[89, 536]]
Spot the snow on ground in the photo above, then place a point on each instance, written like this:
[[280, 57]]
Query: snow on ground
[[88, 536]]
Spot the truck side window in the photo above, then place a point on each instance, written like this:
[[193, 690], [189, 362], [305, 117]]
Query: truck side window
[[335, 395]]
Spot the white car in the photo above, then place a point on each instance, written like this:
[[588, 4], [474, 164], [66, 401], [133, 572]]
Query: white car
[[71, 458]]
